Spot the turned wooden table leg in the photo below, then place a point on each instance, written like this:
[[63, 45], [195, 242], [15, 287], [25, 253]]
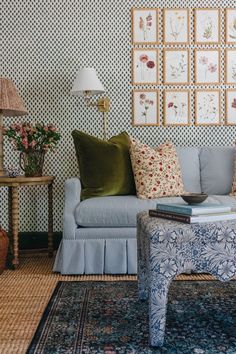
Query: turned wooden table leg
[[50, 220], [10, 212], [15, 225]]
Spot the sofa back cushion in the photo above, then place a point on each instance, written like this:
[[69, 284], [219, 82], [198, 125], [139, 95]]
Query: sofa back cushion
[[105, 166], [190, 168], [216, 169]]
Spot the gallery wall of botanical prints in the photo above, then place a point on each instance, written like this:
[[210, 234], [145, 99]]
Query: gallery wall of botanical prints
[[183, 47], [42, 52]]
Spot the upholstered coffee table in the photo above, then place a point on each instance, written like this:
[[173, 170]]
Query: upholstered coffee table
[[167, 248]]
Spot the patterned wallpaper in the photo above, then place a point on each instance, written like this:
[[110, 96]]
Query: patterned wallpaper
[[42, 50]]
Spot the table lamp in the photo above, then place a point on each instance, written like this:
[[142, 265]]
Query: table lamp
[[87, 84], [11, 105]]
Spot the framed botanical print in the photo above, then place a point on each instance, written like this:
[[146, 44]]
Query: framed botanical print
[[207, 26], [144, 25], [146, 107], [176, 107], [145, 62], [230, 23], [207, 66], [207, 107], [230, 66], [230, 106], [176, 26], [176, 66]]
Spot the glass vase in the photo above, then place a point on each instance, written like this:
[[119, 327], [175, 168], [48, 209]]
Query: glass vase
[[31, 162]]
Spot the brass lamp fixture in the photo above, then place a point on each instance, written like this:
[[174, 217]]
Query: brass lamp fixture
[[11, 105], [88, 84]]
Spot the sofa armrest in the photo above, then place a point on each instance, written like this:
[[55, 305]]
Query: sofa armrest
[[72, 199]]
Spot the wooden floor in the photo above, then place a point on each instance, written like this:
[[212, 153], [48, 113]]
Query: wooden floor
[[25, 292]]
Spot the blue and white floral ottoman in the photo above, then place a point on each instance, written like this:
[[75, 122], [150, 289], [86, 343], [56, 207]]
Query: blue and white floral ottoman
[[167, 248]]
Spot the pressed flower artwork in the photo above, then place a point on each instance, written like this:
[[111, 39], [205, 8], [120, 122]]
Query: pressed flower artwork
[[207, 66], [145, 26], [207, 107], [176, 26], [230, 107], [145, 107], [176, 107], [176, 66], [231, 26], [207, 26], [145, 66], [230, 66]]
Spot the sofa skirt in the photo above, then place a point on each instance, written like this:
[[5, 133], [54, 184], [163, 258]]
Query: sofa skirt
[[96, 256]]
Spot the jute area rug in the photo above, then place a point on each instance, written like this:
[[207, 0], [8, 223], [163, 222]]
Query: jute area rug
[[25, 292]]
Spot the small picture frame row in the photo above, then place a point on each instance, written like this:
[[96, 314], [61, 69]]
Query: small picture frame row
[[176, 26], [176, 66], [176, 107]]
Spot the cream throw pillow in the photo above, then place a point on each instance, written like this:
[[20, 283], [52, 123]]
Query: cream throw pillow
[[156, 171]]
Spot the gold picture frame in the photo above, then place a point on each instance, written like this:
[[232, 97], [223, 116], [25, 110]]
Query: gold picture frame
[[173, 72], [142, 67], [207, 27], [176, 107], [208, 67], [141, 108], [227, 11], [136, 29], [227, 74], [178, 26], [208, 111], [227, 110]]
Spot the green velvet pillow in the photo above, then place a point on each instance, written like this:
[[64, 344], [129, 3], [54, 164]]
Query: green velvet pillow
[[105, 166]]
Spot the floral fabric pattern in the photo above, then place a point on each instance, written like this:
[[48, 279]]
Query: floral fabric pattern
[[167, 248], [156, 171]]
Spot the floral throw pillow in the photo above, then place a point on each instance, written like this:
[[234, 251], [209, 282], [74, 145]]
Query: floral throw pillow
[[156, 171]]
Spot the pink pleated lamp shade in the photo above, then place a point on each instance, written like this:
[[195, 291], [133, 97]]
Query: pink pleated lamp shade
[[11, 103]]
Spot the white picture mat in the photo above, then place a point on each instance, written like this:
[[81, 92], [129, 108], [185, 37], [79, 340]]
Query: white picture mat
[[176, 26], [207, 26], [207, 108], [149, 34], [176, 107], [140, 109], [176, 66], [230, 110], [207, 66], [141, 72], [231, 66], [231, 29]]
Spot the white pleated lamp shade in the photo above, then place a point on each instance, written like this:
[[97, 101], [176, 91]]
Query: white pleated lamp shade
[[87, 80]]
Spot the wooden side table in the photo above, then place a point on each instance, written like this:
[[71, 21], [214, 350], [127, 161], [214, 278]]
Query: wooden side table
[[13, 185]]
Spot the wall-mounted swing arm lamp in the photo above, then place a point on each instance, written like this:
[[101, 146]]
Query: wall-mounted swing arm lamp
[[87, 84]]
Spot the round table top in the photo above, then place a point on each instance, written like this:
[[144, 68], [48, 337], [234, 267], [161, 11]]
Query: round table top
[[22, 180]]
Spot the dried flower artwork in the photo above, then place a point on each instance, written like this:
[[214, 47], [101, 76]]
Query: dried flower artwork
[[145, 107], [176, 26], [144, 25], [144, 66], [176, 66], [207, 107], [176, 107]]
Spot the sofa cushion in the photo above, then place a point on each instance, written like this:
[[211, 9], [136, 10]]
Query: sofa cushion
[[118, 211], [190, 168], [216, 169], [121, 211], [157, 170], [105, 167]]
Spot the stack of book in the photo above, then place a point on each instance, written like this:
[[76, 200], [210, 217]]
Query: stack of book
[[193, 213]]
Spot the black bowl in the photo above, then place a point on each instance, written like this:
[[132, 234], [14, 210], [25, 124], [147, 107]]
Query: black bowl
[[194, 198]]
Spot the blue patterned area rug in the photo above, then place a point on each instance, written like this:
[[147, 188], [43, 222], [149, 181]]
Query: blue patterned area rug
[[107, 317]]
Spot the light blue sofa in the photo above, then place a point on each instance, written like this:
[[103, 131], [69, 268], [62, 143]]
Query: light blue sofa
[[99, 234]]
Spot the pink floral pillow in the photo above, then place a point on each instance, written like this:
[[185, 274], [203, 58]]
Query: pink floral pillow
[[156, 171]]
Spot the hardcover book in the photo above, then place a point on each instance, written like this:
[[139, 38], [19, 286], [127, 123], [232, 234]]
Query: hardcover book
[[198, 209]]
